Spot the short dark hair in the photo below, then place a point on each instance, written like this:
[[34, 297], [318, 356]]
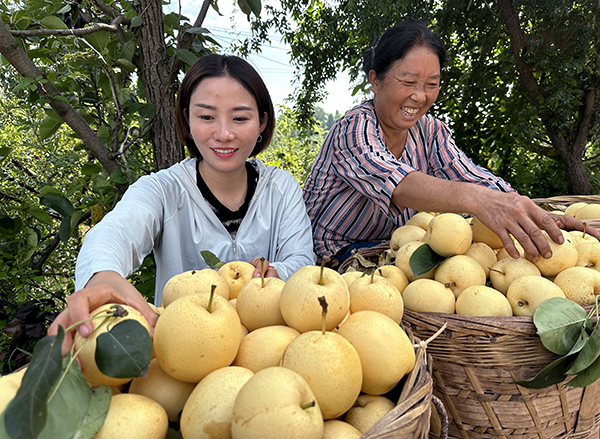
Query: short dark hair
[[393, 44], [214, 66]]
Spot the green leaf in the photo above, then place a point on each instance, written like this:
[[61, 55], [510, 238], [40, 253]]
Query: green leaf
[[126, 64], [589, 353], [32, 242], [54, 199], [125, 350], [27, 413], [586, 376], [91, 169], [4, 152], [53, 22], [186, 56], [86, 408], [75, 218], [65, 230], [254, 5], [211, 259], [40, 214], [554, 373], [118, 177], [197, 30], [423, 260], [136, 21], [173, 434], [148, 111], [49, 126], [559, 323], [98, 39]]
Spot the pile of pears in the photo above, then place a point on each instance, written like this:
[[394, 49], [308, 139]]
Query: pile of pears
[[476, 277], [259, 358]]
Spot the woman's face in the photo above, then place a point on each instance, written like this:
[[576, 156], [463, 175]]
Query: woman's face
[[224, 123], [409, 88]]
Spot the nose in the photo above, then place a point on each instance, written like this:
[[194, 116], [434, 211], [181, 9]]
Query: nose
[[418, 94], [223, 132]]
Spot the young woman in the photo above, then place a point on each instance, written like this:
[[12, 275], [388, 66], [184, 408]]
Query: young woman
[[215, 200], [386, 159]]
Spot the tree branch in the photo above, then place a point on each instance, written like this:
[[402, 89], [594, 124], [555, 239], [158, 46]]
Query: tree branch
[[66, 32]]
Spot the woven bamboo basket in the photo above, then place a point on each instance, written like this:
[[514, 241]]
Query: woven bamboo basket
[[410, 418]]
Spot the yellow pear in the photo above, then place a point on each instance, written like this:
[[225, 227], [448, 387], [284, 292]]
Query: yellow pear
[[368, 410], [331, 367], [385, 351], [403, 261], [169, 392], [591, 211], [449, 234], [258, 303], [420, 219], [195, 335], [299, 299], [404, 234], [483, 301], [264, 347], [9, 384], [459, 272], [336, 429], [502, 253], [394, 275], [375, 293], [276, 403], [580, 237], [484, 254], [573, 208], [86, 355], [481, 233], [351, 276], [563, 256], [237, 273], [427, 295], [134, 416], [508, 269], [580, 284], [194, 281], [208, 412], [527, 292], [588, 255]]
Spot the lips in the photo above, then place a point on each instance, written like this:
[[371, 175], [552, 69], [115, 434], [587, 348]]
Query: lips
[[409, 111], [224, 152]]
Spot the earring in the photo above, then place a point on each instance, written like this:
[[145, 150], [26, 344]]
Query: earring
[[259, 139]]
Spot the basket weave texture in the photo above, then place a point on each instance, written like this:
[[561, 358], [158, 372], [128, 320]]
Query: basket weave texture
[[477, 361], [409, 419]]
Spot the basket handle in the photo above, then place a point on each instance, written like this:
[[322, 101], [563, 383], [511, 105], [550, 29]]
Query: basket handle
[[588, 407], [439, 406]]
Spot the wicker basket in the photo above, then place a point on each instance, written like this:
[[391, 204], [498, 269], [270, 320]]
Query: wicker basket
[[410, 418], [476, 364]]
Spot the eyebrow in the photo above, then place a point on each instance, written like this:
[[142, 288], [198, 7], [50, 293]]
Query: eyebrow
[[413, 75], [210, 107]]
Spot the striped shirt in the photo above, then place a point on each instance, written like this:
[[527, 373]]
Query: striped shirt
[[349, 189]]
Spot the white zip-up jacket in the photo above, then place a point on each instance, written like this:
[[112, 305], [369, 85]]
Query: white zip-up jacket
[[165, 212]]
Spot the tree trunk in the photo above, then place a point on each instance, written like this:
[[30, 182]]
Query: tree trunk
[[156, 79]]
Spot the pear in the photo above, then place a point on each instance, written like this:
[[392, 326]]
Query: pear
[[563, 256], [194, 281], [351, 276], [9, 385], [368, 410], [483, 301], [506, 270], [404, 234], [449, 234], [588, 255], [394, 275], [573, 208], [336, 429], [258, 303], [581, 237], [459, 272], [208, 412], [169, 392], [420, 219], [580, 284], [502, 253], [329, 364], [481, 233], [375, 293], [195, 335], [427, 295], [403, 261], [299, 299], [264, 347], [237, 273], [134, 416], [527, 292], [276, 403], [385, 351], [86, 355], [484, 254], [591, 211]]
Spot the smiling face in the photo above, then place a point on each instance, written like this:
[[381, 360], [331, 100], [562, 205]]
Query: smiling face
[[407, 91], [224, 123]]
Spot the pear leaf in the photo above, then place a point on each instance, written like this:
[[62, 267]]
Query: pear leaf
[[581, 342], [424, 259], [589, 353], [586, 376], [553, 373], [27, 413], [173, 434], [559, 323], [211, 259], [124, 351]]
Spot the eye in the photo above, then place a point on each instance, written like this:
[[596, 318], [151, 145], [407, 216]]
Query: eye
[[205, 117], [409, 83], [240, 119]]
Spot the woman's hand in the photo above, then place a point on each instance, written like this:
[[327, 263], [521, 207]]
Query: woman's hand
[[104, 287], [270, 271]]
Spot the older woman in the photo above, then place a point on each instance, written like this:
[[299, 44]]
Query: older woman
[[386, 159]]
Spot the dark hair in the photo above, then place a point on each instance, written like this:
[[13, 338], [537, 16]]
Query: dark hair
[[214, 66], [393, 44]]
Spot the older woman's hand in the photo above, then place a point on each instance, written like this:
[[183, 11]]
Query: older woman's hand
[[270, 271]]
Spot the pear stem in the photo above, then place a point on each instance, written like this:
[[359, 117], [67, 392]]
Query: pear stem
[[323, 262], [323, 303], [308, 405], [210, 299], [373, 275], [262, 272]]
